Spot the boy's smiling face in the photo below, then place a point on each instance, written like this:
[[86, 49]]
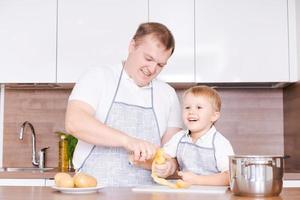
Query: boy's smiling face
[[198, 113]]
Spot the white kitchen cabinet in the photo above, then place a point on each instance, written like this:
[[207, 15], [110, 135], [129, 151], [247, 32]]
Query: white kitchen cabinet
[[291, 183], [49, 182], [27, 41], [27, 182], [178, 16], [294, 38], [22, 182], [95, 33], [242, 41]]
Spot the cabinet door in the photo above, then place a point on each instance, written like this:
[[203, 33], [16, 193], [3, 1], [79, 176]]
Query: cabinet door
[[241, 41], [95, 33], [49, 182], [27, 41], [178, 16], [22, 182]]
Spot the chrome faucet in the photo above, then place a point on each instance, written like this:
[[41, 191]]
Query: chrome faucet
[[35, 162]]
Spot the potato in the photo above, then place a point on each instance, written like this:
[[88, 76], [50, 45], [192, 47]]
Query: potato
[[82, 180], [159, 157], [67, 183], [63, 180]]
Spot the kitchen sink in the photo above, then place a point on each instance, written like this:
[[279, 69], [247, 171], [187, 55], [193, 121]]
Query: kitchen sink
[[25, 169]]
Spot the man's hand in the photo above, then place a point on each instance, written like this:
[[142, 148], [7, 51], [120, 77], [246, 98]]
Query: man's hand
[[143, 164], [141, 149]]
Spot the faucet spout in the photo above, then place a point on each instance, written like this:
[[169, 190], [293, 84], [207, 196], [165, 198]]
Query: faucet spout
[[23, 126]]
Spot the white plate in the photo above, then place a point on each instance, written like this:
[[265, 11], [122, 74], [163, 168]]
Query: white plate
[[78, 190]]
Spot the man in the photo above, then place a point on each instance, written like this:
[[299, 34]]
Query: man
[[124, 110]]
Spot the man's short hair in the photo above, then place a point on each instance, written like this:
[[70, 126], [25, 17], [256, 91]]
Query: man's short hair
[[159, 31]]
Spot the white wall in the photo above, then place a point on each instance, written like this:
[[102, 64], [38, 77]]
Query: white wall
[[298, 35], [294, 39]]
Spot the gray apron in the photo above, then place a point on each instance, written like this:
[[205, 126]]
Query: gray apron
[[196, 159], [110, 165]]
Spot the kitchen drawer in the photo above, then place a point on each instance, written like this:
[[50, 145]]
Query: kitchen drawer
[[22, 182], [49, 182], [291, 183]]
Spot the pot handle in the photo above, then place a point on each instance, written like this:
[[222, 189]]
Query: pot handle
[[249, 163]]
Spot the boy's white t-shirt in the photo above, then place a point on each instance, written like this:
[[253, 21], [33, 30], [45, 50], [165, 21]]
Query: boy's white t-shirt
[[223, 148], [97, 88]]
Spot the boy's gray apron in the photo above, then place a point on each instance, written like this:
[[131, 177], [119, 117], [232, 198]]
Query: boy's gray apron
[[196, 159], [110, 164]]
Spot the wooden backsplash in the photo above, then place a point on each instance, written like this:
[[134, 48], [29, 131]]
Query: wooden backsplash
[[45, 109], [291, 97], [252, 119]]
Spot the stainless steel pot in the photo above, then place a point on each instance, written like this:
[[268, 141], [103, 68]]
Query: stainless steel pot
[[252, 175]]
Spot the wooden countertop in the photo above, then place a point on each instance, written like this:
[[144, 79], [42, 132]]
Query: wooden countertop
[[51, 174], [47, 193]]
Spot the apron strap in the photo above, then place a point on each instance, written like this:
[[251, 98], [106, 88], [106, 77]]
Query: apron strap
[[114, 98], [213, 145]]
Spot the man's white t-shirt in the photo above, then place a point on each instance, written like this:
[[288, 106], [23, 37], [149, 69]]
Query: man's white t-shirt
[[97, 88], [223, 148]]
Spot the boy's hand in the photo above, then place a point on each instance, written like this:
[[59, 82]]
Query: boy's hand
[[163, 165], [188, 177], [164, 170]]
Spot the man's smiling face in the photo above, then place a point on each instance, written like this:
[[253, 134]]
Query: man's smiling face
[[146, 59]]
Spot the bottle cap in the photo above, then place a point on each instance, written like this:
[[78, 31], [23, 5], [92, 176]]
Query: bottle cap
[[63, 136]]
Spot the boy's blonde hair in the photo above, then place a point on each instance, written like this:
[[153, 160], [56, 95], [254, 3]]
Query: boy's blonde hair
[[208, 92]]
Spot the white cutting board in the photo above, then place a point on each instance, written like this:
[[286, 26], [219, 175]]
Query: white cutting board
[[192, 189]]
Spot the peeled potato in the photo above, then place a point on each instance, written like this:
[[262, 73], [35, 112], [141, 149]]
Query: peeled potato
[[82, 180], [159, 157], [63, 180]]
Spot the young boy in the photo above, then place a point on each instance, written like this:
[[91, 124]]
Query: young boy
[[201, 151]]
